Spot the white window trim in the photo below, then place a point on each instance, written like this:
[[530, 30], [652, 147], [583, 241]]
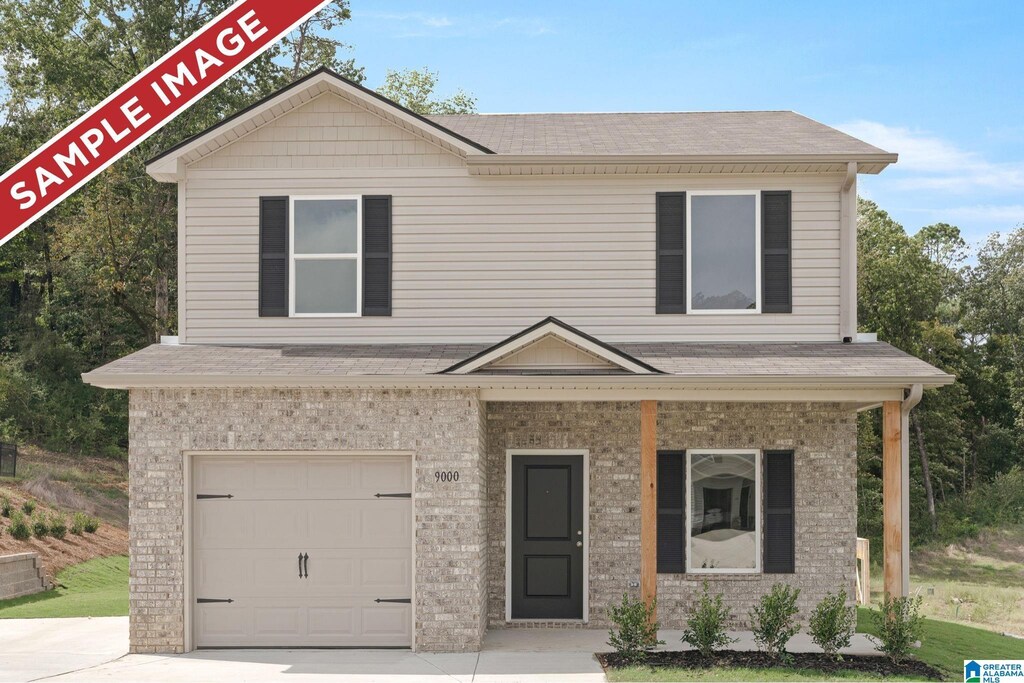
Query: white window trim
[[757, 503], [357, 256], [757, 254]]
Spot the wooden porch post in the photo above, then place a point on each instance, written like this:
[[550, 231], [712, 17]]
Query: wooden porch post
[[892, 498], [648, 501]]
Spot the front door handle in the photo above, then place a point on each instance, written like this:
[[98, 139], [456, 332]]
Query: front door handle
[[579, 544], [305, 562]]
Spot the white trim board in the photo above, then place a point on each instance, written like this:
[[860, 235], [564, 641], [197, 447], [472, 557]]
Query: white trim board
[[509, 454]]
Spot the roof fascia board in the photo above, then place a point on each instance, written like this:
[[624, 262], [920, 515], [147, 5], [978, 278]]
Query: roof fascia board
[[648, 382], [366, 96], [558, 329]]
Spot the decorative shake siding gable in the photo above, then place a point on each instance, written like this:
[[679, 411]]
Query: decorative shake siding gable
[[442, 428], [823, 437], [475, 258]]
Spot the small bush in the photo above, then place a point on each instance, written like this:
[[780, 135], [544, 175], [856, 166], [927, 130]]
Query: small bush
[[20, 528], [5, 506], [832, 624], [39, 526], [636, 633], [28, 507], [899, 627], [58, 526], [773, 620], [705, 627], [91, 524], [78, 521]]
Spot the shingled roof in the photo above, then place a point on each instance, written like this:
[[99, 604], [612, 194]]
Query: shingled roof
[[213, 365], [720, 133]]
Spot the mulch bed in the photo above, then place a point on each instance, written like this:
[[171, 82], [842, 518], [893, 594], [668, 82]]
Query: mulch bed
[[691, 659]]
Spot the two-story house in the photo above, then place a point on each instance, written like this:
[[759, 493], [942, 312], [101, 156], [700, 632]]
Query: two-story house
[[436, 375]]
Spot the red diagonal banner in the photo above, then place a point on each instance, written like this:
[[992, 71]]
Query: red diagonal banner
[[143, 105]]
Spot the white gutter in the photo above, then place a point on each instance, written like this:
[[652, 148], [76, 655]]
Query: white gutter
[[591, 159], [912, 399], [125, 380], [848, 255]]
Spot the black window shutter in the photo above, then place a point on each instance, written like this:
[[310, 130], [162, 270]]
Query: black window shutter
[[377, 255], [671, 512], [779, 520], [273, 256], [776, 251], [670, 266]]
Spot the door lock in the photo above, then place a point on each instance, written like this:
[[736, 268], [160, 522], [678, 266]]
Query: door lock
[[579, 544]]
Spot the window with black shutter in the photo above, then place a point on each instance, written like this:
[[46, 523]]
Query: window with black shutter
[[776, 252], [670, 264], [779, 517], [671, 511], [273, 277]]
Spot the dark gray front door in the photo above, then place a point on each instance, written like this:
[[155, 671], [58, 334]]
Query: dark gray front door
[[547, 537]]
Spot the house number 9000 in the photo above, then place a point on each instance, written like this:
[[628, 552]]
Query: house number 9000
[[446, 476]]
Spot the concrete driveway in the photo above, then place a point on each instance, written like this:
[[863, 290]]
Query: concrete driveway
[[31, 649], [94, 650]]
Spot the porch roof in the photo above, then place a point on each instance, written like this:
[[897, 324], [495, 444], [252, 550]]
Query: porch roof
[[678, 364]]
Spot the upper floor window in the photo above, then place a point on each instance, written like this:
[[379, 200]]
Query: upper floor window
[[326, 245], [724, 248]]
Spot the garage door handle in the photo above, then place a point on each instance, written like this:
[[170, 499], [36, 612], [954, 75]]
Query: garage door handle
[[403, 600], [392, 495], [300, 565], [305, 563], [203, 601]]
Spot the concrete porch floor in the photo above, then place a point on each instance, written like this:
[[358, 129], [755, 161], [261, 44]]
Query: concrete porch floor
[[92, 650]]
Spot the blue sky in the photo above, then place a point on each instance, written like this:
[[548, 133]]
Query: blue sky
[[941, 83]]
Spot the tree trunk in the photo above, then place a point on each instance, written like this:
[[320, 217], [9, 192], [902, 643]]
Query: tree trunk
[[925, 471]]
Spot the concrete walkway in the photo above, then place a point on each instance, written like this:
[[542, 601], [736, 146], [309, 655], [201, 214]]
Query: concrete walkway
[[93, 650]]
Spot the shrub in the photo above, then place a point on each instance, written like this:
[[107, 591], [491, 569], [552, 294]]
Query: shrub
[[91, 524], [832, 624], [636, 633], [705, 626], [39, 526], [899, 626], [78, 521], [19, 527], [58, 526], [28, 507], [5, 506], [773, 620]]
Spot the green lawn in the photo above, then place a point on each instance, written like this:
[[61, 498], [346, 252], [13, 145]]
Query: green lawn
[[943, 645], [97, 588]]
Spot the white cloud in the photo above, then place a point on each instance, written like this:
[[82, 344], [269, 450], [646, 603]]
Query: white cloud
[[930, 163], [421, 24]]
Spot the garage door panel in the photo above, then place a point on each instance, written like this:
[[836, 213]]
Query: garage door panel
[[359, 548], [275, 623], [303, 477], [235, 573], [377, 523]]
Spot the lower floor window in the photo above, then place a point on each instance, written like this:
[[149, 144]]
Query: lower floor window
[[723, 525]]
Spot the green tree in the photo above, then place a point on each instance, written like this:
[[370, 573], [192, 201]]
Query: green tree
[[414, 90]]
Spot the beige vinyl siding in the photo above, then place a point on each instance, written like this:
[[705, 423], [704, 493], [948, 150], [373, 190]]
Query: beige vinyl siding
[[477, 258]]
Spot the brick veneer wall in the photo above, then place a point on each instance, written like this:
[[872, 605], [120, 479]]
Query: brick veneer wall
[[443, 428], [823, 436]]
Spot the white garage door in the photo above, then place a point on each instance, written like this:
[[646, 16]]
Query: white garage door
[[294, 551]]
